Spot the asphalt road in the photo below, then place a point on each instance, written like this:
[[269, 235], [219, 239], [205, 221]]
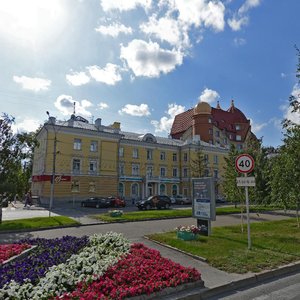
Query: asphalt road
[[284, 288]]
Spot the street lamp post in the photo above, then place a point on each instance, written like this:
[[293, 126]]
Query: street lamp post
[[53, 168]]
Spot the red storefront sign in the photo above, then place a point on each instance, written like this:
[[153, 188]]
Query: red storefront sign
[[58, 178]]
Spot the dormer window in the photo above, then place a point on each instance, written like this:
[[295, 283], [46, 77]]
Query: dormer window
[[237, 127], [238, 138]]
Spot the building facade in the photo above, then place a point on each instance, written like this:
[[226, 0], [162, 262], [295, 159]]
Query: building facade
[[96, 160]]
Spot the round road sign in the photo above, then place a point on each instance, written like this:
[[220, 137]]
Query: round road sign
[[244, 163]]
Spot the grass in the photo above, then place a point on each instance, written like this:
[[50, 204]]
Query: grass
[[170, 213], [37, 223], [273, 244]]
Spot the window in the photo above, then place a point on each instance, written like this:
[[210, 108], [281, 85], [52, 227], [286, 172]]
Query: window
[[121, 152], [185, 172], [206, 161], [135, 170], [210, 131], [162, 189], [206, 173], [149, 154], [238, 138], [121, 189], [92, 167], [175, 172], [162, 155], [135, 190], [240, 146], [135, 153], [209, 120], [163, 172], [174, 156], [217, 133], [216, 174], [174, 190], [185, 157], [185, 192], [77, 144], [230, 136], [76, 166], [216, 159], [92, 187], [225, 141], [75, 186], [238, 127], [121, 169], [94, 146], [149, 171]]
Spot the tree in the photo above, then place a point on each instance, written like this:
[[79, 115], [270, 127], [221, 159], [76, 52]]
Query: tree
[[285, 180], [232, 192], [198, 164], [15, 159]]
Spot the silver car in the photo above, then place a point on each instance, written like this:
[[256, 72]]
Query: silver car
[[179, 199]]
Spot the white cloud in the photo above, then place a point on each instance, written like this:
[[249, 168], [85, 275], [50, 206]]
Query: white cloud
[[167, 29], [239, 42], [65, 104], [135, 110], [165, 123], [240, 18], [288, 114], [248, 4], [208, 96], [201, 12], [27, 125], [126, 5], [103, 105], [114, 30], [77, 78], [110, 74], [255, 127], [148, 59], [236, 23], [33, 84]]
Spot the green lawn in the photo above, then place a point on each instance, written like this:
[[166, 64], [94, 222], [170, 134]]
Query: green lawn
[[170, 213], [37, 223], [273, 244]]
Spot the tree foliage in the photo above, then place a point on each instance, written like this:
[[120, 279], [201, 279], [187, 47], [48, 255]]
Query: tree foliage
[[198, 164]]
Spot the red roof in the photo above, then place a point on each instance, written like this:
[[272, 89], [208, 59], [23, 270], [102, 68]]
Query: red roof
[[220, 118]]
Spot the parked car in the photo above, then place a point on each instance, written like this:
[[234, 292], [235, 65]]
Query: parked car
[[179, 199], [96, 202], [220, 199], [156, 201], [116, 201]]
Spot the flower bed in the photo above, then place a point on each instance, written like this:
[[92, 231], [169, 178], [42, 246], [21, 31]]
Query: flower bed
[[143, 271], [101, 266], [9, 250], [116, 213]]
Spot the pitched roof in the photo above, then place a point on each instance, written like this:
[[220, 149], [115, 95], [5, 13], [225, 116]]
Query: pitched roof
[[221, 118]]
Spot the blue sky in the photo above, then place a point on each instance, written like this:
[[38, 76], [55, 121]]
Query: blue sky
[[141, 62]]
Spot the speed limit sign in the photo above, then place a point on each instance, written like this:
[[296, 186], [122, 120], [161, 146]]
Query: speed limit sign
[[244, 163]]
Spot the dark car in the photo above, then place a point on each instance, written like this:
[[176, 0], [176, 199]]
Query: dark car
[[157, 201], [116, 201], [179, 199], [95, 202], [220, 199]]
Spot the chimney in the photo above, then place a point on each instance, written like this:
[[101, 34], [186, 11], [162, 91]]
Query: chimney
[[98, 123]]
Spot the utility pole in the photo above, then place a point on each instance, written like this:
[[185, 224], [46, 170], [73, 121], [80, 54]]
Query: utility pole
[[53, 167]]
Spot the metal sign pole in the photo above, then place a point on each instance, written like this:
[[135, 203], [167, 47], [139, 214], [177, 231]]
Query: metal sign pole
[[248, 218]]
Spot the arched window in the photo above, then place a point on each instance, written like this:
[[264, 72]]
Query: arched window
[[134, 191], [121, 189], [174, 190], [162, 189]]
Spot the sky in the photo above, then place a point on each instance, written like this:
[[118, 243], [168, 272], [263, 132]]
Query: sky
[[141, 62]]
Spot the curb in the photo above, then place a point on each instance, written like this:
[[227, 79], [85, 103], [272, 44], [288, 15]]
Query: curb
[[252, 280]]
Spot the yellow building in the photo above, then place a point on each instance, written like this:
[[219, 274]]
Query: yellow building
[[96, 160]]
